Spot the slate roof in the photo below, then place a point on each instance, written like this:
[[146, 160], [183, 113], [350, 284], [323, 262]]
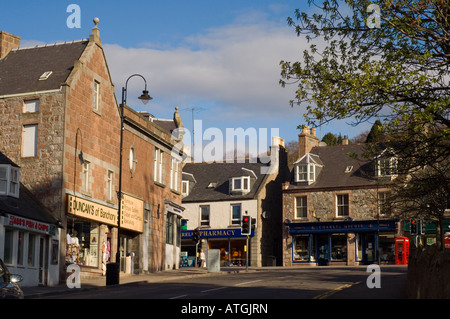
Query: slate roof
[[27, 206], [335, 161], [21, 69], [220, 173]]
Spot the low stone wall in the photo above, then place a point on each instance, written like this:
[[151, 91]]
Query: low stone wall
[[428, 273]]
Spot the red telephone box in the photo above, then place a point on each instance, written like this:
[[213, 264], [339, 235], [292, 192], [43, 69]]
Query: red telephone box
[[401, 250]]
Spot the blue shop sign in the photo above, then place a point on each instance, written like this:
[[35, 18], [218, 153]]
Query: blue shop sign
[[216, 233], [342, 227]]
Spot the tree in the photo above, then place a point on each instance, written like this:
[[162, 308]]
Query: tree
[[376, 133], [330, 139], [395, 70]]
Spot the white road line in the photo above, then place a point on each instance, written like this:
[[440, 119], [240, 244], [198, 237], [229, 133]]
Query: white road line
[[248, 282], [214, 289], [178, 297]]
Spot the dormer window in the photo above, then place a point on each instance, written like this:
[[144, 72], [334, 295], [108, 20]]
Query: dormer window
[[306, 173], [240, 184], [9, 180], [306, 169], [386, 167]]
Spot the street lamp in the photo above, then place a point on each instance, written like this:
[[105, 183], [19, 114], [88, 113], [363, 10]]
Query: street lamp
[[145, 98]]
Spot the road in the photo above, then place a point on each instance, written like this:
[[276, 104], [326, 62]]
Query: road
[[279, 283]]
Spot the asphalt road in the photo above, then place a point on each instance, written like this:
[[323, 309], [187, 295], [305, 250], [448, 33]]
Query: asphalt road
[[275, 284]]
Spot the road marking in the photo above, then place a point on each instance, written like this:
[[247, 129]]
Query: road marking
[[335, 290], [248, 282], [214, 289], [178, 297]]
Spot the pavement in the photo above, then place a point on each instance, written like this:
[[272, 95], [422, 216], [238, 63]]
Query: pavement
[[99, 282]]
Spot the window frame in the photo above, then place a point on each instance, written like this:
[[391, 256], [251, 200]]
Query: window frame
[[244, 184], [27, 144], [236, 221], [303, 205], [305, 172], [8, 180], [342, 206], [96, 102], [205, 222]]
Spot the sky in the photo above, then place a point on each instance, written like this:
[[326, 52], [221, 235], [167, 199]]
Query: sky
[[217, 61]]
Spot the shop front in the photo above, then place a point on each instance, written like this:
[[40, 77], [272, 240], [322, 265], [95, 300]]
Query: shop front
[[92, 233], [230, 242], [343, 242]]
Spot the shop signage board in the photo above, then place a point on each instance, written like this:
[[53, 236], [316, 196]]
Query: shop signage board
[[342, 227], [87, 209], [30, 225], [215, 233], [132, 213]]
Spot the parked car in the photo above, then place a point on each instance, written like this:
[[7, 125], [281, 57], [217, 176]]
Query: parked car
[[9, 289]]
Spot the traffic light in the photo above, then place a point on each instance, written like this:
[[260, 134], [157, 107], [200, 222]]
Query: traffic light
[[196, 236], [246, 225], [423, 227], [413, 229]]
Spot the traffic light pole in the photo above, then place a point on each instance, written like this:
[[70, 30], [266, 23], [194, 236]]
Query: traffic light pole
[[246, 256]]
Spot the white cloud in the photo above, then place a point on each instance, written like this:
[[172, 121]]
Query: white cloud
[[234, 68]]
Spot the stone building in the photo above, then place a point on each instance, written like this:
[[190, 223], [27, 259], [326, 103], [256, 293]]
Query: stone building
[[333, 207], [60, 122]]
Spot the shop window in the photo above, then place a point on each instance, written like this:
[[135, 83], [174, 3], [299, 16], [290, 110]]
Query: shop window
[[31, 250], [20, 247], [342, 205], [169, 228], [8, 253], [301, 248], [236, 214], [339, 247], [301, 207], [204, 215], [82, 242]]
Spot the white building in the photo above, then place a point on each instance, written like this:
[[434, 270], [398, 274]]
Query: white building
[[217, 195], [29, 235]]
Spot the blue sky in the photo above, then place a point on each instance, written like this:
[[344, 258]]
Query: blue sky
[[217, 60]]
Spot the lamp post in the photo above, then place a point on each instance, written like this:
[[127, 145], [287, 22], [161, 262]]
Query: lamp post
[[145, 97]]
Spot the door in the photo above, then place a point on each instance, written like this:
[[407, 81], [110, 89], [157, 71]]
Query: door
[[323, 250], [43, 262]]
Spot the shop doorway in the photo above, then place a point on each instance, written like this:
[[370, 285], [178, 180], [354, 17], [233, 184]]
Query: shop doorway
[[323, 250], [43, 263], [366, 248]]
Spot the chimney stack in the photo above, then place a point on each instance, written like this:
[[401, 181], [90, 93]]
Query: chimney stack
[[8, 42], [307, 139]]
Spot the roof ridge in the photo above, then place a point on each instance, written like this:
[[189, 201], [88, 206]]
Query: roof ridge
[[50, 45]]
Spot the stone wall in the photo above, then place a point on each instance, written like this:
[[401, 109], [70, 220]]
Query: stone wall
[[428, 273]]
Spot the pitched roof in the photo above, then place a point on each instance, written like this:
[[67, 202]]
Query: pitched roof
[[220, 174], [21, 69], [341, 169], [27, 206]]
